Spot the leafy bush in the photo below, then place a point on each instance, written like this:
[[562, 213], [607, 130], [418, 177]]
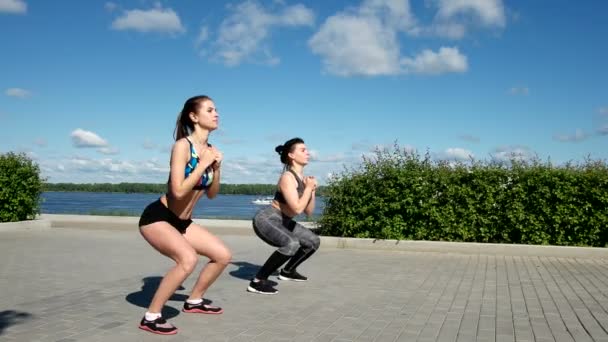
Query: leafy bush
[[20, 188], [397, 194]]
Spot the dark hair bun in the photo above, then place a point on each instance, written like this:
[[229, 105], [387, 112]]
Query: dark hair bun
[[279, 149]]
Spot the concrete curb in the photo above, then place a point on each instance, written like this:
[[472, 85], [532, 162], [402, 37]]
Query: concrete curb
[[466, 247], [243, 227], [219, 227], [25, 225]]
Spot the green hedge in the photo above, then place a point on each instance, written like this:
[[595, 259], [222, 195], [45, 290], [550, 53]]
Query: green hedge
[[20, 187], [397, 194]]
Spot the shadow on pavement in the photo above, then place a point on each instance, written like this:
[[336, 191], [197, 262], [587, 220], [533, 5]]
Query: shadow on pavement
[[12, 317], [143, 297], [247, 271]]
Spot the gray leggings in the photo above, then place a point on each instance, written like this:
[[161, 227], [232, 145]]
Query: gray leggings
[[281, 231]]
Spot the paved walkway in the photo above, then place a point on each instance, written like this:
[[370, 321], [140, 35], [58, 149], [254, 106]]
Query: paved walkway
[[67, 284]]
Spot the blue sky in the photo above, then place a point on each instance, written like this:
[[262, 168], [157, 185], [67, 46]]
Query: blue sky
[[91, 89]]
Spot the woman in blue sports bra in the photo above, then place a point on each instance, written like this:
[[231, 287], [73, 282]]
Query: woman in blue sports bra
[[167, 223]]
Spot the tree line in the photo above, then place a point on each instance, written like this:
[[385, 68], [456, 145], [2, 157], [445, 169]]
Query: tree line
[[226, 189]]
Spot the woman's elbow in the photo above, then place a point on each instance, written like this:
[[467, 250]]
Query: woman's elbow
[[177, 194], [298, 211]]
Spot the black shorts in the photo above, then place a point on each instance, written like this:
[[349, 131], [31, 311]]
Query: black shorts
[[158, 212]]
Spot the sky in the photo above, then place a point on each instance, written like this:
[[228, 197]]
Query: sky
[[91, 90]]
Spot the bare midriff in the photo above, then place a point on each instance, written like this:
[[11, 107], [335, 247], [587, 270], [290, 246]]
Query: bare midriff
[[184, 207]]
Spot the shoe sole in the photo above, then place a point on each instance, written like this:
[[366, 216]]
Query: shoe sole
[[291, 279], [251, 289], [203, 311], [143, 327]]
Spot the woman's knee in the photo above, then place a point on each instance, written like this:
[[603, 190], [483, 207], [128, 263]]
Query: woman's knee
[[187, 261], [290, 248], [224, 257], [316, 242]]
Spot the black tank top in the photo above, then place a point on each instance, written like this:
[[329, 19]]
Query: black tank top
[[278, 196]]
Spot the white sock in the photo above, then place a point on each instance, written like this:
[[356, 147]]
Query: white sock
[[194, 301], [151, 316]]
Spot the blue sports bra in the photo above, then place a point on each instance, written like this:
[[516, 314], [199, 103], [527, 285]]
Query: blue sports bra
[[205, 181]]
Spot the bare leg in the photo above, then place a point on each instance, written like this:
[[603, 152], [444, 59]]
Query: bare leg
[[207, 244], [168, 241]]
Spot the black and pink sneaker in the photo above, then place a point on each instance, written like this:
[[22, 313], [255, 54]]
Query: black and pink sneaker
[[202, 308], [158, 326]]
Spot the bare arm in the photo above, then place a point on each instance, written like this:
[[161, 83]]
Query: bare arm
[[214, 188], [288, 187], [310, 207]]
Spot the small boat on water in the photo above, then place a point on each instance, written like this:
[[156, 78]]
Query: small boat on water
[[262, 200]]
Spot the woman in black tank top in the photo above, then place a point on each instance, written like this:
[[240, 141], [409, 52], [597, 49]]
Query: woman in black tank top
[[275, 225]]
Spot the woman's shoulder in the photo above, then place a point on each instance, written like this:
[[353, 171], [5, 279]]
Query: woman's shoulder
[[181, 146], [181, 142], [288, 176]]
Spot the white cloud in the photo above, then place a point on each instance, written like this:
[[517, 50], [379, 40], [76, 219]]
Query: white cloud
[[314, 155], [265, 168], [579, 135], [154, 166], [448, 30], [110, 6], [17, 92], [507, 153], [163, 20], [356, 45], [457, 153], [32, 155], [82, 138], [80, 169], [13, 6], [365, 41], [247, 170], [519, 91], [334, 158], [455, 16], [490, 12], [448, 59], [296, 15], [117, 166], [601, 121], [108, 150], [203, 35], [243, 35]]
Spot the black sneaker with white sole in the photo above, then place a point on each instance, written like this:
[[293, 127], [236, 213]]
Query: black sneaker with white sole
[[293, 276], [261, 287]]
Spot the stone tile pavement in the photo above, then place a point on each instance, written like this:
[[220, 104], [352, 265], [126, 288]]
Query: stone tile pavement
[[69, 284]]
